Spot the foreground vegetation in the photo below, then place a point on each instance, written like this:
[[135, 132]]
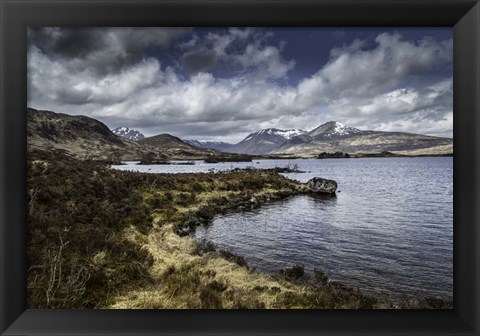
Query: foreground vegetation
[[104, 238]]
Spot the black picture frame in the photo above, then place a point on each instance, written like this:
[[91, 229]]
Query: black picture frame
[[462, 15]]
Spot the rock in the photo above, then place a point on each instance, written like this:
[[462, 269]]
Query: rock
[[321, 185], [253, 200]]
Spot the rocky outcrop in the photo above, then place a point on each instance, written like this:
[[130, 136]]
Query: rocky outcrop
[[322, 186]]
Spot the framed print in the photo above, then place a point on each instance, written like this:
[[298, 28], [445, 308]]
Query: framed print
[[258, 167]]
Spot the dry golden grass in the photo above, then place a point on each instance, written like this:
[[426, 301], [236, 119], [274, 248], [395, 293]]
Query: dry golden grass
[[185, 277], [437, 150], [176, 261]]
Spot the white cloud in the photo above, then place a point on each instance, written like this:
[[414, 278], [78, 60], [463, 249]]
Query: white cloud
[[400, 101], [360, 87], [431, 127], [267, 61], [52, 80], [354, 72]]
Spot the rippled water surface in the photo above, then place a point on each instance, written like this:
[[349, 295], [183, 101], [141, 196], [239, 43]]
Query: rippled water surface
[[389, 229]]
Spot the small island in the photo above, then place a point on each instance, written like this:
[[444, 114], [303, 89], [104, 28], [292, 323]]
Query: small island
[[336, 155]]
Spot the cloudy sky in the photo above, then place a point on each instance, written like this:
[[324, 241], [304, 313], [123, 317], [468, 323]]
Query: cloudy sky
[[224, 83]]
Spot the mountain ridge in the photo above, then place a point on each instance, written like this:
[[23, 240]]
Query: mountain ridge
[[334, 137]]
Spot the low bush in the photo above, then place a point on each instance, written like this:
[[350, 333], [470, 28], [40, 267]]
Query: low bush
[[293, 273], [77, 211], [204, 246]]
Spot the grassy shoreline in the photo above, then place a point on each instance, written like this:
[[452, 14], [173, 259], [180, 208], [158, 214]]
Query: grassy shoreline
[[106, 238]]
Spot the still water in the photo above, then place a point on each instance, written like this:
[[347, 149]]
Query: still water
[[388, 231]]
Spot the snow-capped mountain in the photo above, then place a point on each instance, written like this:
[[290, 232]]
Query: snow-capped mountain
[[216, 145], [128, 133], [334, 129], [274, 134], [329, 137], [259, 142], [334, 137], [196, 143], [265, 141]]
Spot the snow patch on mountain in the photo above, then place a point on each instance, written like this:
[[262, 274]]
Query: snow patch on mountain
[[341, 129], [128, 133], [334, 129], [249, 137], [288, 134]]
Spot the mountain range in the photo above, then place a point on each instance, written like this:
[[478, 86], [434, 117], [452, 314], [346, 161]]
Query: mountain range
[[259, 143], [334, 137], [85, 137]]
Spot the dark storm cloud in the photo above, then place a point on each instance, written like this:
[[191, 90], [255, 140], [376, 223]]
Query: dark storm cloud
[[201, 60], [246, 51], [73, 97], [101, 50], [67, 42]]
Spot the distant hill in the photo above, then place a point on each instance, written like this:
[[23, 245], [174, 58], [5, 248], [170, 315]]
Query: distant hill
[[175, 147], [128, 133], [219, 146]]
